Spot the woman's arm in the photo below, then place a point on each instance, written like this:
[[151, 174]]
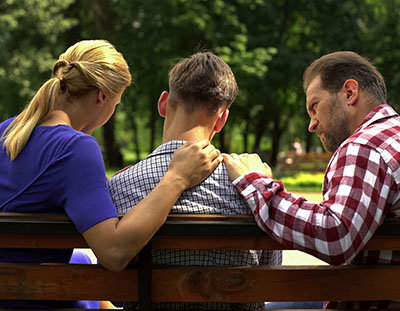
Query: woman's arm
[[116, 242]]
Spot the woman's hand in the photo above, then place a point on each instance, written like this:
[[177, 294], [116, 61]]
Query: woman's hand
[[194, 162], [239, 165]]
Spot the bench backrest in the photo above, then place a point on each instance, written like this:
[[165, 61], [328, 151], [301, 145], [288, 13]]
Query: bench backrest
[[146, 283]]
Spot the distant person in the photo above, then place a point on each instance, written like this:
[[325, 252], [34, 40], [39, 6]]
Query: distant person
[[297, 147], [346, 101], [50, 163], [201, 90]]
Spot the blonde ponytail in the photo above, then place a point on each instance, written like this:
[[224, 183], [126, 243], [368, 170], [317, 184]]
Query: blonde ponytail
[[18, 132], [87, 65]]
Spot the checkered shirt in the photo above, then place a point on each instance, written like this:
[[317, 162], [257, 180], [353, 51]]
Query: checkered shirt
[[215, 195], [361, 187]]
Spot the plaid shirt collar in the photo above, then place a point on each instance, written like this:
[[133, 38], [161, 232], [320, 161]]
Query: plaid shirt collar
[[376, 115], [167, 148]]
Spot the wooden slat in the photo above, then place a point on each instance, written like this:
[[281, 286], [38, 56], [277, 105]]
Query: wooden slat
[[42, 241], [176, 224], [66, 282], [228, 232], [178, 242], [202, 284], [183, 217], [297, 283], [251, 242], [378, 242]]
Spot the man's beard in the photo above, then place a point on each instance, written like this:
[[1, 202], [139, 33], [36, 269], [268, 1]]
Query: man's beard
[[337, 127]]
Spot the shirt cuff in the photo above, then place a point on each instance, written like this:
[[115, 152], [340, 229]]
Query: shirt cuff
[[246, 179], [238, 179]]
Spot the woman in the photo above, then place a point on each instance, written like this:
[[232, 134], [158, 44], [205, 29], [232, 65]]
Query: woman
[[49, 163]]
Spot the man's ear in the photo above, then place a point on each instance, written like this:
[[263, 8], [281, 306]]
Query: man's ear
[[162, 104], [351, 91], [101, 98], [221, 120]]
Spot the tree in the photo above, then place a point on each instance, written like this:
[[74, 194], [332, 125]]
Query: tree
[[31, 39]]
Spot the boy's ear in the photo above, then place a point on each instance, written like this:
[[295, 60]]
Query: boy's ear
[[162, 103], [221, 120]]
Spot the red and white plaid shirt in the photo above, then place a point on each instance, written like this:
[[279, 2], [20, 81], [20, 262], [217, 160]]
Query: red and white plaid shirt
[[361, 187]]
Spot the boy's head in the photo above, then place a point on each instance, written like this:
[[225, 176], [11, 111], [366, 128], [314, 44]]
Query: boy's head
[[202, 81]]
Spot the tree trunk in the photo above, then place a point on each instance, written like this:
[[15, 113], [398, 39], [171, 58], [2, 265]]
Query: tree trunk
[[74, 34], [277, 132], [246, 135], [136, 139], [113, 156], [260, 128]]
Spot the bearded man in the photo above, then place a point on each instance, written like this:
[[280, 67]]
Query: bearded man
[[346, 102]]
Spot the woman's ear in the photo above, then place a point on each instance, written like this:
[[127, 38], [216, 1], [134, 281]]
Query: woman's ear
[[162, 104], [101, 98]]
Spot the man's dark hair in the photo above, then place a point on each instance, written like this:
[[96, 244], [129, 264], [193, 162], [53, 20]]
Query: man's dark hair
[[335, 68], [202, 80]]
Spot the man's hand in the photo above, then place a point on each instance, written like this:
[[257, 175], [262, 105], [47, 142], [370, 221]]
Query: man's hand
[[239, 165]]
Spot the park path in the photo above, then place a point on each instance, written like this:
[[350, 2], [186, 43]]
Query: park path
[[297, 257]]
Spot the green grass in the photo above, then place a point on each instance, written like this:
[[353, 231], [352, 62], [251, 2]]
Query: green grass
[[303, 182]]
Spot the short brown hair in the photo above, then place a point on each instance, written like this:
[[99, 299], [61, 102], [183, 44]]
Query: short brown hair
[[202, 80], [335, 68]]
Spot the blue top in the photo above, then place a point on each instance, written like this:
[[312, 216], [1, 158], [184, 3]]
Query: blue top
[[59, 170]]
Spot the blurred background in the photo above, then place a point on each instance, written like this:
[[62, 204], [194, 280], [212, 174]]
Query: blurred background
[[267, 43]]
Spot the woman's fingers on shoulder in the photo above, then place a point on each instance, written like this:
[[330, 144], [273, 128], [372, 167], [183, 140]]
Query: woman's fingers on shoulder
[[211, 151], [198, 144], [206, 150]]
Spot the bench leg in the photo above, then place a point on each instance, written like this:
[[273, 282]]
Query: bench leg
[[144, 275]]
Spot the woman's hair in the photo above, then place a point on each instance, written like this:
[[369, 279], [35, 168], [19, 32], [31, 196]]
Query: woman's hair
[[85, 66]]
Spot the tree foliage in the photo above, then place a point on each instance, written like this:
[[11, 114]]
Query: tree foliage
[[31, 37], [267, 43]]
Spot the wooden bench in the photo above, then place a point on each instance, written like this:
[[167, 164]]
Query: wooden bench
[[146, 283], [306, 162]]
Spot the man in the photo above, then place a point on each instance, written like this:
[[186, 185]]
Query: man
[[346, 101], [201, 90]]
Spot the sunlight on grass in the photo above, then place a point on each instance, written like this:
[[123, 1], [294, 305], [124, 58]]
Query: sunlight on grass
[[311, 196]]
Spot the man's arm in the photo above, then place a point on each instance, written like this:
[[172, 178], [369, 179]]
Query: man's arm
[[358, 185]]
